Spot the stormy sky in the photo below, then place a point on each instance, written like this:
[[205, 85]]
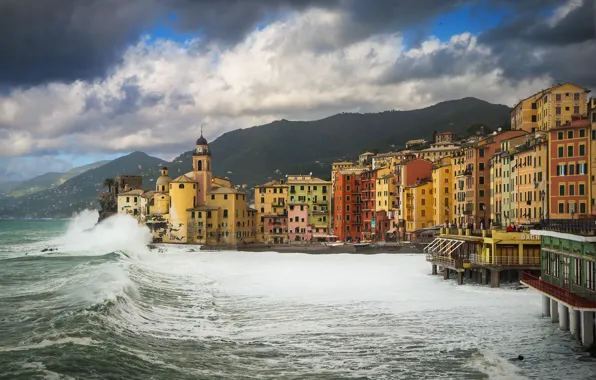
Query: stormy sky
[[87, 80]]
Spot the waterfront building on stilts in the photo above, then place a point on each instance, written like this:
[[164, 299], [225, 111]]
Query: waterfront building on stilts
[[484, 256], [568, 276]]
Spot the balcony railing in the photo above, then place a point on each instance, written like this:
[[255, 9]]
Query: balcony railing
[[446, 261], [572, 299], [586, 227], [505, 260]]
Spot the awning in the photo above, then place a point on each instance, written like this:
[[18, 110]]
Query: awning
[[443, 246]]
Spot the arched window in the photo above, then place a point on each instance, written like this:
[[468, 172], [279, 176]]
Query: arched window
[[163, 188], [200, 165], [181, 186]]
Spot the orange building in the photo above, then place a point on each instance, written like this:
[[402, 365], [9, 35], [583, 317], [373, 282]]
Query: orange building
[[347, 221], [569, 168]]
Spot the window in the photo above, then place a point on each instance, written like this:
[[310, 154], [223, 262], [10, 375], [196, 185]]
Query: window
[[571, 189], [582, 169], [582, 208], [582, 133], [135, 199], [576, 96], [480, 193], [560, 136], [569, 134], [571, 169], [481, 180], [127, 199], [590, 274], [423, 213], [561, 208], [561, 189], [582, 150], [181, 186], [481, 166], [570, 151], [582, 189], [225, 196], [555, 266], [212, 196], [423, 202], [558, 97], [561, 151], [575, 110], [557, 110], [481, 153]]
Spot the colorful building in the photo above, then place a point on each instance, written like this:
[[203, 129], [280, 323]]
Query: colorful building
[[316, 193], [419, 206], [298, 227], [592, 118], [271, 199], [567, 278], [442, 181], [569, 166], [549, 108], [368, 180], [347, 221]]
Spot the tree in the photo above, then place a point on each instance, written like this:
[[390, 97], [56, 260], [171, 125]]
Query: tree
[[109, 183]]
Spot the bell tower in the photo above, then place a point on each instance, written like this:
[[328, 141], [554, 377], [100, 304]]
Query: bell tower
[[201, 168], [201, 157]]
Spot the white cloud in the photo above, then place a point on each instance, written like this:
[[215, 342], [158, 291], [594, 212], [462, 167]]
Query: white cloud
[[295, 68]]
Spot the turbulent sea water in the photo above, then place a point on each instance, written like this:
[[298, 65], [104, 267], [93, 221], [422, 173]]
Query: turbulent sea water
[[105, 307]]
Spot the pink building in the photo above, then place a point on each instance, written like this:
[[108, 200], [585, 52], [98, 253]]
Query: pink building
[[298, 227], [276, 229]]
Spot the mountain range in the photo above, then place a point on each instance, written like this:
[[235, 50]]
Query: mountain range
[[258, 154]]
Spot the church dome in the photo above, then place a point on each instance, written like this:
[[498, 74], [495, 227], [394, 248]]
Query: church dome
[[163, 180], [201, 140]]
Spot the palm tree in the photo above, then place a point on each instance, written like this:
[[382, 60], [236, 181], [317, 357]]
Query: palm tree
[[109, 183]]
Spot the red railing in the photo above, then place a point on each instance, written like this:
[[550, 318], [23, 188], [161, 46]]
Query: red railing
[[564, 295]]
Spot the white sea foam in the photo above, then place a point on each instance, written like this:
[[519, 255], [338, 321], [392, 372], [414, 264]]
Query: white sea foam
[[47, 343], [85, 236], [495, 367]]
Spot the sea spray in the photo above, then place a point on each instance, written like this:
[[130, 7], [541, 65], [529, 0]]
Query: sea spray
[[118, 233]]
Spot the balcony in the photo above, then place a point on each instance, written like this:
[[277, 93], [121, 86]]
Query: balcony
[[530, 261], [578, 300], [584, 227], [467, 172]]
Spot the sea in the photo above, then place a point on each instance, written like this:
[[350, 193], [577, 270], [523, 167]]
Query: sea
[[99, 304]]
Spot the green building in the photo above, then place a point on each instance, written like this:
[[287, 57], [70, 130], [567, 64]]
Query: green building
[[568, 275]]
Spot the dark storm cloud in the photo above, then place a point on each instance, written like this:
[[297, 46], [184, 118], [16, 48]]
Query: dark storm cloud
[[66, 40], [566, 49]]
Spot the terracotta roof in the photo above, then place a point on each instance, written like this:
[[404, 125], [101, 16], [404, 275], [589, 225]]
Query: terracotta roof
[[148, 194], [132, 192], [183, 179], [224, 190]]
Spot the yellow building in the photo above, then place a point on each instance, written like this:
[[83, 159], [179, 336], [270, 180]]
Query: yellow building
[[442, 181], [194, 207], [129, 202], [549, 108], [271, 198], [458, 196], [386, 193], [419, 209]]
